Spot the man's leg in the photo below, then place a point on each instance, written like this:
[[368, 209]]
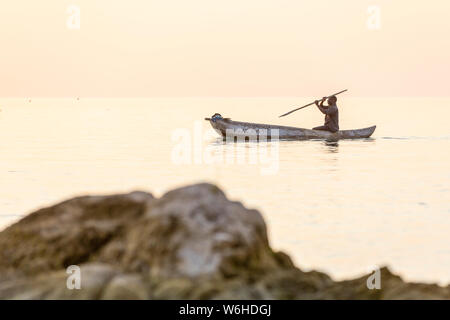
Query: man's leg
[[322, 128]]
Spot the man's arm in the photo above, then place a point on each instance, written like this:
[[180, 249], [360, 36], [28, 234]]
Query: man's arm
[[328, 110], [321, 107]]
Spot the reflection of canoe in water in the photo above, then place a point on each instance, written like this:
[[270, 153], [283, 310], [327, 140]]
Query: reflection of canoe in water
[[249, 131]]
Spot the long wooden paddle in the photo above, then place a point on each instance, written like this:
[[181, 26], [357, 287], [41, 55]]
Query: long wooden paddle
[[310, 104]]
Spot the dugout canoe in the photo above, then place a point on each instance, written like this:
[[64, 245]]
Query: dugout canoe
[[249, 131]]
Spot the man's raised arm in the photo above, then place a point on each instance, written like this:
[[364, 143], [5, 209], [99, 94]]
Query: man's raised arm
[[320, 105]]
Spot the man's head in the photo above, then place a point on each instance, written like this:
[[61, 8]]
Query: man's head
[[332, 100]]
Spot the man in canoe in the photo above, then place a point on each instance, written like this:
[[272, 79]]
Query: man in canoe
[[331, 114]]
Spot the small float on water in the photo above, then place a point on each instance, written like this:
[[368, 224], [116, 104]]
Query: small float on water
[[247, 130]]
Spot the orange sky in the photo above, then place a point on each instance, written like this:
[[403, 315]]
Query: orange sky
[[139, 48]]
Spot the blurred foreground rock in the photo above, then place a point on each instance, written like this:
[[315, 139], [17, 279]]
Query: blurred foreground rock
[[192, 243]]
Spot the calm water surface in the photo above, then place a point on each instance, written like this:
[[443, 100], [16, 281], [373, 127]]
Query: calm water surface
[[337, 207]]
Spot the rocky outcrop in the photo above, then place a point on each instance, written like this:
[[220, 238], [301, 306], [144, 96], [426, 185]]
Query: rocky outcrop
[[192, 243]]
